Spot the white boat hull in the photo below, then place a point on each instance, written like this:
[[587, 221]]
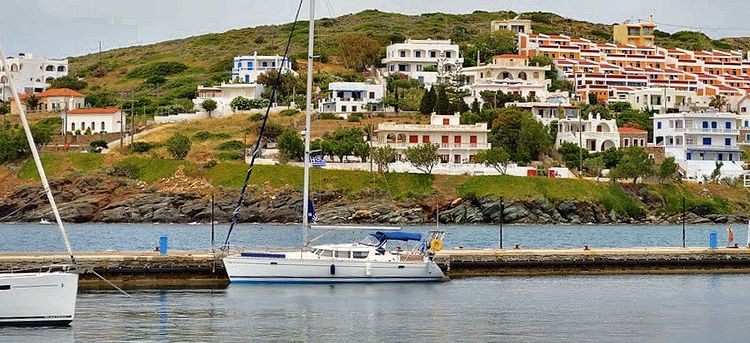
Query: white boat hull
[[38, 298], [282, 270]]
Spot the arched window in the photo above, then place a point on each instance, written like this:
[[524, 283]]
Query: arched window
[[83, 126], [49, 80], [522, 75], [3, 79], [103, 129], [61, 69], [50, 68], [73, 127], [13, 67], [93, 126]]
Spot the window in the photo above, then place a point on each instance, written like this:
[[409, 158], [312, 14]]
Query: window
[[713, 125], [433, 54], [342, 254], [372, 95], [326, 253], [728, 125], [354, 108], [731, 158], [448, 54], [727, 141], [343, 108], [93, 126], [689, 156], [359, 254], [265, 64], [418, 54], [658, 125], [706, 141], [250, 65], [103, 129], [444, 139], [446, 121], [626, 142], [72, 126], [402, 53], [457, 139], [413, 139], [83, 126], [473, 140], [426, 139], [705, 124]]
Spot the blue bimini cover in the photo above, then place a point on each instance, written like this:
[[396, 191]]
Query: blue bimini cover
[[396, 236]]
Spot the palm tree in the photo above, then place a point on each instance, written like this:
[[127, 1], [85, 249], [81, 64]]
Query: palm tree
[[32, 102], [718, 102]]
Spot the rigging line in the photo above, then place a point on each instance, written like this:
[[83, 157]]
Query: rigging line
[[110, 283], [256, 149]]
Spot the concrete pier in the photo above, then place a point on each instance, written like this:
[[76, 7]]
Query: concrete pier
[[149, 269]]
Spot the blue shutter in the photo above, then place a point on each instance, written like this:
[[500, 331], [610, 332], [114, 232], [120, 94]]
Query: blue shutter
[[727, 141], [706, 140]]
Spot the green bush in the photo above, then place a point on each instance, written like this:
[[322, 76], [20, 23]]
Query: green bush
[[355, 117], [141, 147], [205, 135], [229, 156], [231, 145], [179, 146], [328, 116], [290, 112], [257, 117]]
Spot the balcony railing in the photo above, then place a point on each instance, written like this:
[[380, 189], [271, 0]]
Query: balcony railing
[[441, 145], [703, 130], [727, 148]]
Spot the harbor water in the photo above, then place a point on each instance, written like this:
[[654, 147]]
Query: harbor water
[[146, 237], [652, 308]]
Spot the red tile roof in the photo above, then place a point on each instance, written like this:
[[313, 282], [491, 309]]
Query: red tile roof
[[630, 130], [109, 110], [60, 92]]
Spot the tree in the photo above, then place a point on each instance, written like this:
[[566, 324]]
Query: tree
[[572, 154], [179, 146], [496, 158], [427, 104], [383, 156], [489, 44], [32, 102], [475, 106], [361, 150], [424, 157], [442, 105], [635, 164], [358, 50], [667, 171], [69, 82], [594, 165], [718, 102], [716, 173], [392, 99], [291, 146], [611, 157], [522, 136], [4, 109], [593, 99], [209, 105], [241, 103], [619, 106]]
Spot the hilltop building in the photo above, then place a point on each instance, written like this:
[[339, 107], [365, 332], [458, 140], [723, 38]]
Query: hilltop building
[[698, 140], [508, 73], [640, 34], [662, 99], [225, 93], [247, 68], [53, 100], [349, 97], [515, 25], [458, 143], [594, 134], [98, 120], [427, 60], [548, 112], [32, 74]]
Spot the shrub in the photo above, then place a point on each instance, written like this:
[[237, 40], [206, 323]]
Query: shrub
[[231, 145], [205, 135], [355, 117], [229, 156], [98, 145], [178, 145], [328, 116], [157, 69], [289, 112], [141, 147], [257, 117]]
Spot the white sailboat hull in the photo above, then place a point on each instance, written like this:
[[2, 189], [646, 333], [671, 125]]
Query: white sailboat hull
[[282, 270], [38, 298]]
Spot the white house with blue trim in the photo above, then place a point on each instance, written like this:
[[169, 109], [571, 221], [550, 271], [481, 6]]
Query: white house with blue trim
[[697, 140], [247, 68]]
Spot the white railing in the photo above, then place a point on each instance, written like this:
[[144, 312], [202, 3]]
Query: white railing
[[441, 145], [704, 130], [727, 148]]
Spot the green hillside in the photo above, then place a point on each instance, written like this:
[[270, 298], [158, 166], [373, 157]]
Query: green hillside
[[138, 73]]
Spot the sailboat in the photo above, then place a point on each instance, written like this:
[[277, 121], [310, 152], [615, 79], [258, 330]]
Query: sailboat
[[370, 260], [46, 296]]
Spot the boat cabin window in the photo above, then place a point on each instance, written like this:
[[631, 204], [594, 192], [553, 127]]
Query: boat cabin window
[[342, 254], [359, 254], [325, 253], [371, 241]]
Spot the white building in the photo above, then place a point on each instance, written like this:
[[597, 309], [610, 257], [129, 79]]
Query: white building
[[698, 140], [660, 98], [32, 74], [508, 73], [247, 68], [224, 94], [422, 59], [348, 97], [548, 112], [457, 143], [594, 134], [53, 100], [98, 120], [515, 25]]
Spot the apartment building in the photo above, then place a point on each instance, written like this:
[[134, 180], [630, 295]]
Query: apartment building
[[457, 143], [515, 25], [594, 134], [427, 60], [638, 34], [348, 97], [247, 68], [31, 73]]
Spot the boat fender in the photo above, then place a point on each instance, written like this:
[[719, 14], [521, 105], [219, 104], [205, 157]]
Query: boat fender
[[333, 269], [436, 245]]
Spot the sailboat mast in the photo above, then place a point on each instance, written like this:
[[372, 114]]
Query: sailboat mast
[[308, 115], [35, 155]]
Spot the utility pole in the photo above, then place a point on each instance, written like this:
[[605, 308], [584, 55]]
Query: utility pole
[[580, 143], [502, 221], [684, 245]]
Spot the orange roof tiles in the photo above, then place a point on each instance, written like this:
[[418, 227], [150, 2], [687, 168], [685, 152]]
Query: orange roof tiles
[[630, 130], [109, 110], [60, 92]]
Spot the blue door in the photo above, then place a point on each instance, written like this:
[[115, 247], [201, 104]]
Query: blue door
[[721, 157], [247, 78], [689, 156]]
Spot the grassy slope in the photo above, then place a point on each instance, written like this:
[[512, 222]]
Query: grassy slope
[[708, 198], [211, 54]]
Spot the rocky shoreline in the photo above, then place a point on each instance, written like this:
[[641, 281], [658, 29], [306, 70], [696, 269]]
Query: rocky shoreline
[[101, 198]]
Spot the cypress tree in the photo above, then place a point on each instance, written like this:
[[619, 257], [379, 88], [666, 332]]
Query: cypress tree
[[424, 103], [475, 106], [442, 105]]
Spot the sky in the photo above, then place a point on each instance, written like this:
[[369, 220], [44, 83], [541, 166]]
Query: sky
[[64, 28]]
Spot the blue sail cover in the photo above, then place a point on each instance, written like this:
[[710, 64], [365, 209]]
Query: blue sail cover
[[396, 236], [311, 216]]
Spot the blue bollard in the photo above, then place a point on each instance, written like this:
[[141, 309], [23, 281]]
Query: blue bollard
[[163, 244], [713, 239]]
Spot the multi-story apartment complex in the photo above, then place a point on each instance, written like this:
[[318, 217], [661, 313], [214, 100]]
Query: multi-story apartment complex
[[457, 143], [698, 140], [662, 99], [638, 34], [426, 60], [515, 25], [347, 97], [603, 68], [594, 134], [247, 68], [32, 74], [548, 112]]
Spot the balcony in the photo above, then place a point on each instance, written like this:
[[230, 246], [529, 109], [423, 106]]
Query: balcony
[[703, 130], [727, 148], [479, 146]]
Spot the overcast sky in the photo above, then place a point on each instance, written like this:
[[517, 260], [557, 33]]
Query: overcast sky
[[62, 28]]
